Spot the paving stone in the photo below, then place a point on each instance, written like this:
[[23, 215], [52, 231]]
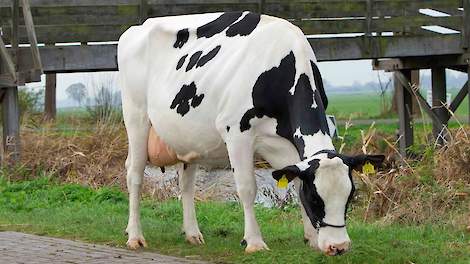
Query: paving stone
[[24, 248]]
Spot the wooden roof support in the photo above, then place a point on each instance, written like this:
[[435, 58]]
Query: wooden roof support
[[422, 102], [439, 91], [412, 63], [261, 4], [143, 11], [7, 60], [28, 19], [466, 25], [468, 89], [401, 80], [459, 98]]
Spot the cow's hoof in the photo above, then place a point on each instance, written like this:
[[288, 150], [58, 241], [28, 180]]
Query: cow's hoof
[[252, 248], [196, 239], [136, 243]]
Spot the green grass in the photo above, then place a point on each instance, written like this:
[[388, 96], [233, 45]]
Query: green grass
[[368, 105], [72, 211], [356, 106]]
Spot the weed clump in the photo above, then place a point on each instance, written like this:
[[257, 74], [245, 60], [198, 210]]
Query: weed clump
[[94, 158], [433, 187]]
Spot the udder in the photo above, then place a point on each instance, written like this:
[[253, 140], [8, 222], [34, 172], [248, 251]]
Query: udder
[[159, 153]]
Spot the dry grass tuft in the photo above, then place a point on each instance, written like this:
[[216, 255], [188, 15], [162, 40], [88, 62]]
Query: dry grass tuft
[[93, 158], [424, 189]]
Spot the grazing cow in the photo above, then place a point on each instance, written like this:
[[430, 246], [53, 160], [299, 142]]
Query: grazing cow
[[222, 88]]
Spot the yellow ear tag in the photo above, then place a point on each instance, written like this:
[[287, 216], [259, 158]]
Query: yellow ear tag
[[368, 168], [282, 182]]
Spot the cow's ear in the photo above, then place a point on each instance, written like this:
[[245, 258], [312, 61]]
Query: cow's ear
[[291, 172], [358, 162]]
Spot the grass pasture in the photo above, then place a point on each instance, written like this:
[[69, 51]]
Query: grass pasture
[[368, 106], [45, 207]]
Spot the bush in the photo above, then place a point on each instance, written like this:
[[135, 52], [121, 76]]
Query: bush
[[105, 104]]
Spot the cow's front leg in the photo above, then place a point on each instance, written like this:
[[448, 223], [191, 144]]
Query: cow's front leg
[[241, 158], [137, 126], [187, 177], [310, 233]]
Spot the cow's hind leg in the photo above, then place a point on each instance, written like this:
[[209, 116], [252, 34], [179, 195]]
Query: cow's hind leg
[[187, 176], [240, 150], [137, 126]]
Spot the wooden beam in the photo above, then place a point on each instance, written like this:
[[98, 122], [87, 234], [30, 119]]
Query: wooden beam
[[15, 12], [422, 102], [459, 98], [11, 125], [466, 25], [355, 48], [7, 59], [261, 4], [80, 58], [28, 19], [50, 108], [405, 109], [468, 87], [439, 96], [413, 63], [143, 11]]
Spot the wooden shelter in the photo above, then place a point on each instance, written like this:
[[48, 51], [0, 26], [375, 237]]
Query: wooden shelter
[[81, 36]]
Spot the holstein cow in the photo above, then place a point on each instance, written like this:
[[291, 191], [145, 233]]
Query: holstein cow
[[222, 88]]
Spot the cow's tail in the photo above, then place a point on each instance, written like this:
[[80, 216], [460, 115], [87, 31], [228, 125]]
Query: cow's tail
[[319, 84]]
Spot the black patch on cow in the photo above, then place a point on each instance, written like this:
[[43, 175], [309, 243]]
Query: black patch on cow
[[193, 60], [313, 204], [319, 84], [181, 62], [197, 100], [185, 166], [245, 26], [162, 169], [228, 129], [271, 98], [209, 56], [233, 170], [217, 26], [186, 98], [181, 38]]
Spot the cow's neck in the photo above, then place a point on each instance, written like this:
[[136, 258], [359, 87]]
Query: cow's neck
[[308, 124]]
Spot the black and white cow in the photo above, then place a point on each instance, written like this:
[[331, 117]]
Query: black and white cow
[[222, 88]]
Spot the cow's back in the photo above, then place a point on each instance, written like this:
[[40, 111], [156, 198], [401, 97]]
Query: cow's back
[[195, 77]]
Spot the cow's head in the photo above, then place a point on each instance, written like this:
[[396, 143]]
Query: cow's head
[[325, 191]]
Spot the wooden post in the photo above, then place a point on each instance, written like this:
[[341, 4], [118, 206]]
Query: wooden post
[[439, 100], [466, 25], [11, 125], [143, 11], [261, 4], [468, 88], [405, 110], [15, 11], [50, 97]]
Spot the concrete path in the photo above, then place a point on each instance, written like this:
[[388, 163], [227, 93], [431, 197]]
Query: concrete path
[[23, 248]]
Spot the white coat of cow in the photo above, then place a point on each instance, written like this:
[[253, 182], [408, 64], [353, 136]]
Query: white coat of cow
[[224, 87]]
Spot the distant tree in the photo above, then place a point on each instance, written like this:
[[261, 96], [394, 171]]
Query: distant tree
[[77, 92]]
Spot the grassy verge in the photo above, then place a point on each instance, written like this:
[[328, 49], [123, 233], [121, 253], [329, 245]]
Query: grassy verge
[[72, 211]]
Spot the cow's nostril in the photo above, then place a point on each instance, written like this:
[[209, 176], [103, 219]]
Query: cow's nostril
[[340, 251]]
